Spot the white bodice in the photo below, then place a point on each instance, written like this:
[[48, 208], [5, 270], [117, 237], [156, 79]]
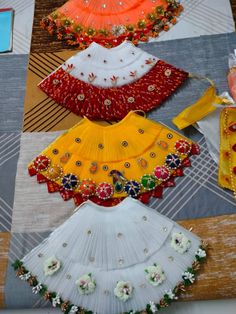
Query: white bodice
[[105, 67]]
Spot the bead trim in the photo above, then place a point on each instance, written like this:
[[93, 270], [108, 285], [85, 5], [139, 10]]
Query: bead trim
[[66, 306], [150, 25], [174, 170]]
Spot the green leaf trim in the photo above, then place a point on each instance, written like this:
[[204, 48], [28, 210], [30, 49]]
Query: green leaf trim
[[164, 302]]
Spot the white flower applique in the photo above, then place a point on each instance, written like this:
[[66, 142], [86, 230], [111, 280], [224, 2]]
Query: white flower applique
[[56, 300], [153, 307], [170, 294], [86, 284], [37, 288], [25, 277], [180, 243], [155, 274], [51, 266], [200, 253], [73, 309], [189, 277], [123, 290]]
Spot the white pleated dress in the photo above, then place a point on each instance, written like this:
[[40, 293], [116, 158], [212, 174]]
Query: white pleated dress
[[112, 245]]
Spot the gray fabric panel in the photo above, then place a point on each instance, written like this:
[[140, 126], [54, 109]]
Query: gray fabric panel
[[9, 152], [12, 91]]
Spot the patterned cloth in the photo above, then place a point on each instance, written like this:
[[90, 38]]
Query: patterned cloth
[[27, 228]]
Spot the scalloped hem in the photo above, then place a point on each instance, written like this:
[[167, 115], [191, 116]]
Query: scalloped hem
[[189, 277], [74, 34], [144, 197]]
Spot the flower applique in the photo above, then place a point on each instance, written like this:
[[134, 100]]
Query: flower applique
[[153, 307], [188, 277], [86, 284], [36, 289], [56, 300], [180, 243], [51, 266], [155, 274], [123, 290]]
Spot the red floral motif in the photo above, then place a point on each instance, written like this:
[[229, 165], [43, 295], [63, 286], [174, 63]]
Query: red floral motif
[[183, 147], [41, 163], [69, 67], [114, 79], [133, 73], [94, 104], [104, 191], [91, 77], [87, 188]]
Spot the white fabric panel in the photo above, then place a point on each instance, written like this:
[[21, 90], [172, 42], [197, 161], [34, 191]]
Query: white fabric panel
[[106, 63], [103, 245]]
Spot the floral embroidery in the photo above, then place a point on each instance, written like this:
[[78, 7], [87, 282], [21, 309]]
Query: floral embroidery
[[51, 266], [151, 24], [86, 284], [180, 243], [123, 290], [151, 96], [114, 79], [69, 68], [155, 274], [91, 77]]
